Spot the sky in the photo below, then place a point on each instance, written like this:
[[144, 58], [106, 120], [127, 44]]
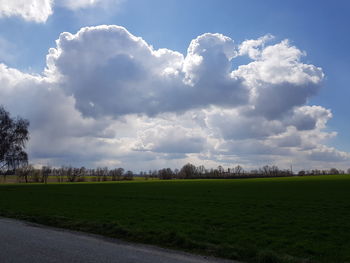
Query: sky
[[147, 84]]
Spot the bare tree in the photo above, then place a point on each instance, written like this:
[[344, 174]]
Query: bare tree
[[220, 170], [45, 171], [13, 136], [24, 172], [238, 170], [119, 173], [165, 173], [301, 173], [82, 173], [113, 174], [334, 171], [188, 171], [201, 170], [129, 175], [70, 174]]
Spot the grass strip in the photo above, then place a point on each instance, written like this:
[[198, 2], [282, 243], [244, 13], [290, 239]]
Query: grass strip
[[258, 220]]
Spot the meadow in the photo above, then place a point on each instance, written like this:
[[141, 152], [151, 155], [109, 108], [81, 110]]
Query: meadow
[[294, 219]]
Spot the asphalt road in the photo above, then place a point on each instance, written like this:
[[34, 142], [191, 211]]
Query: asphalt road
[[26, 242]]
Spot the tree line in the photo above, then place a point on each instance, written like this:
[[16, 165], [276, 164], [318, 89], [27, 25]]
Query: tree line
[[27, 173], [190, 171]]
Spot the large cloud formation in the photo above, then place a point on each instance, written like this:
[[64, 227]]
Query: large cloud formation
[[107, 97]]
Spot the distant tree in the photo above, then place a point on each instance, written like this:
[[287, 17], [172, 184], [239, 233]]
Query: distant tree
[[254, 172], [119, 173], [57, 174], [265, 170], [70, 174], [201, 170], [35, 175], [154, 173], [82, 173], [129, 175], [274, 170], [24, 172], [238, 170], [61, 173], [220, 170], [105, 173], [165, 173], [216, 173], [188, 170], [99, 172], [211, 172], [334, 171], [13, 136], [301, 173], [269, 170], [45, 172], [113, 174], [348, 171]]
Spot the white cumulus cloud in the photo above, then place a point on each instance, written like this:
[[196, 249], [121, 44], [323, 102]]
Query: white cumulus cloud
[[31, 10], [40, 10]]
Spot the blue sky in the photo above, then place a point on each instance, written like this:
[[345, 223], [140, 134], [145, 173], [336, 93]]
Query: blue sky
[[320, 28]]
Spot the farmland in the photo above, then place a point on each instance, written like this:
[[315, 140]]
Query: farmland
[[256, 220]]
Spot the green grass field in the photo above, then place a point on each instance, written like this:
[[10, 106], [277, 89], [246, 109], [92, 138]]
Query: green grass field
[[255, 220]]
